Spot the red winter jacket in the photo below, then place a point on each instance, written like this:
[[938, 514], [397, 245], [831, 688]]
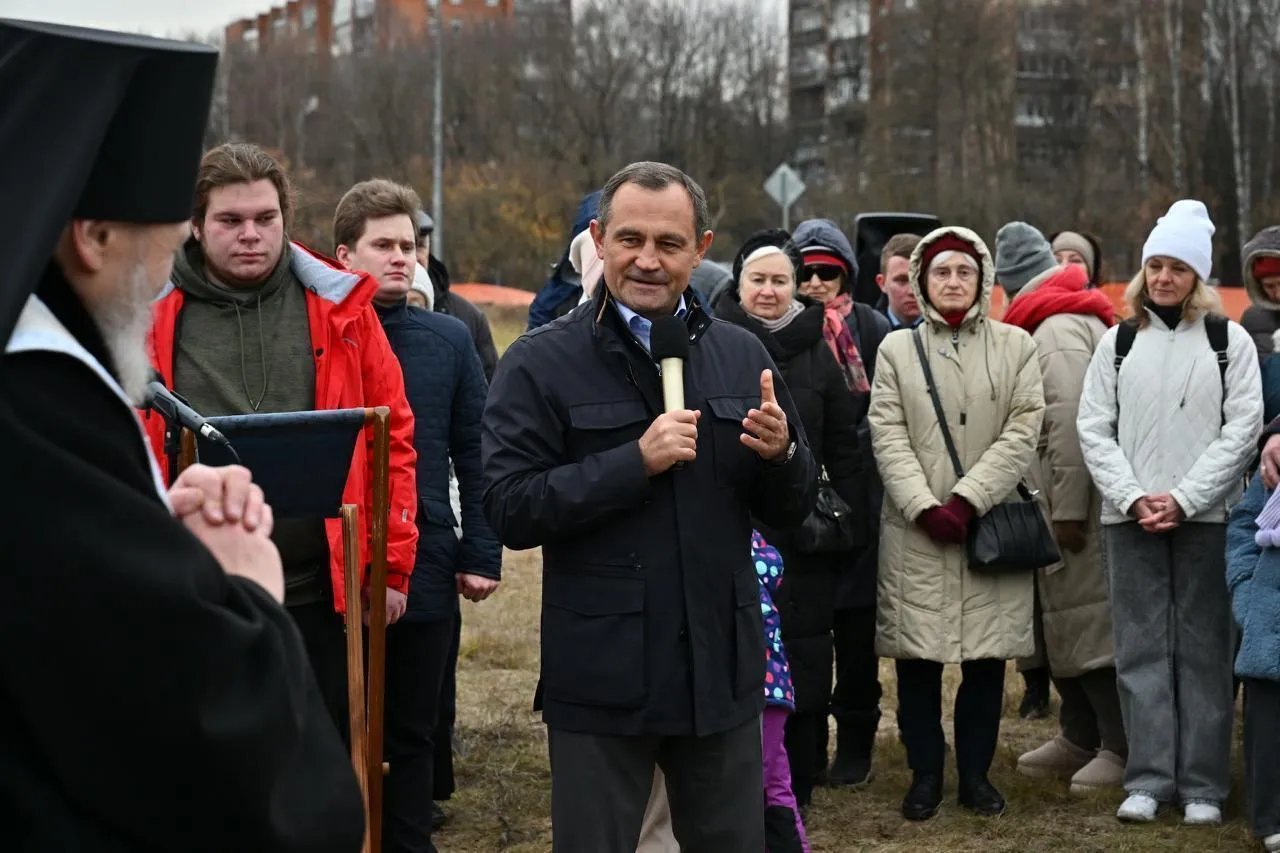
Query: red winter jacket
[[354, 368]]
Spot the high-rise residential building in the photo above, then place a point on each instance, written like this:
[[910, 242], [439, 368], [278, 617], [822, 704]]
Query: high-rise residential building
[[829, 79], [338, 27], [1048, 67]]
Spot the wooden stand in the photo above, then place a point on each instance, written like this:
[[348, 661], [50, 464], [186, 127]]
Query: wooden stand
[[366, 677]]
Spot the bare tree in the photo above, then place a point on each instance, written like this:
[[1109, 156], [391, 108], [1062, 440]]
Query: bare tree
[[1173, 39], [1144, 103]]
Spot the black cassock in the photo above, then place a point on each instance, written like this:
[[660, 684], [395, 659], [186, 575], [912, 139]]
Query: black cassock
[[147, 700]]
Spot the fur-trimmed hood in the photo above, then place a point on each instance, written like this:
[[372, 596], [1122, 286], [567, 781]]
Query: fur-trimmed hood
[[1265, 242], [982, 305]]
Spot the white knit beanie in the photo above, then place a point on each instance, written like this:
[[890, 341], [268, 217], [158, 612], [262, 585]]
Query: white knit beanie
[[1185, 233], [422, 284]]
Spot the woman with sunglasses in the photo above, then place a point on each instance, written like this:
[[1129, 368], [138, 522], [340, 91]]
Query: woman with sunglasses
[[853, 332]]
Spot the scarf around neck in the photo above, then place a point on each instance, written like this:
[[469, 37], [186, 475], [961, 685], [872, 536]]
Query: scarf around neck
[[792, 312], [1062, 293], [835, 330]]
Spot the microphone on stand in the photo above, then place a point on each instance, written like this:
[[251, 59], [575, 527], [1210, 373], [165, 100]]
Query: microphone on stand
[[669, 343], [175, 409], [178, 414]]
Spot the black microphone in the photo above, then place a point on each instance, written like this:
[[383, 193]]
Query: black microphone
[[669, 344], [176, 410]]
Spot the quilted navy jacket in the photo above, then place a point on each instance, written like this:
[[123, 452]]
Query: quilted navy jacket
[[444, 383]]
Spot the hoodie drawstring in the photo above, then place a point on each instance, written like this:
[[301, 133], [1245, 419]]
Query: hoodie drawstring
[[262, 350]]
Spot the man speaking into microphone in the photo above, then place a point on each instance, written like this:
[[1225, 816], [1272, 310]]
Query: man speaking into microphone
[[652, 641]]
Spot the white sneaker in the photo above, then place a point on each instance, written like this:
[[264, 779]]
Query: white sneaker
[[1272, 843], [1138, 808], [1202, 814]]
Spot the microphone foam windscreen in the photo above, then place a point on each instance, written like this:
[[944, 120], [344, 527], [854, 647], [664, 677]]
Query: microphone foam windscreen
[[669, 338]]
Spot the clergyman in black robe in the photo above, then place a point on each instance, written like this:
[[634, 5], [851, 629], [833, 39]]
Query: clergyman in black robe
[[154, 695]]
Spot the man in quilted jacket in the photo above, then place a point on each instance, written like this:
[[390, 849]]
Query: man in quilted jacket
[[374, 233]]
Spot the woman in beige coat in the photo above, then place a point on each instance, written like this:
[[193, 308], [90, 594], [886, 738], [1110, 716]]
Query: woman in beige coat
[[1053, 304], [931, 609]]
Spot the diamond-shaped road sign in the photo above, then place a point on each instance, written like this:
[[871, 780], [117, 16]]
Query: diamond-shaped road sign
[[784, 186]]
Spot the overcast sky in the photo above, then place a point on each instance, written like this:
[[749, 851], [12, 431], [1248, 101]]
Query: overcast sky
[[159, 17]]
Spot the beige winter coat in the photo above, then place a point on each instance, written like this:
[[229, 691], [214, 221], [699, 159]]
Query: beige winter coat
[[1074, 599], [929, 605]]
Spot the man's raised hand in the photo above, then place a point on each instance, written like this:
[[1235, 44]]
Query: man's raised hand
[[766, 427]]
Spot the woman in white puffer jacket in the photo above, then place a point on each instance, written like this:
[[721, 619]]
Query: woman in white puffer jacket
[[1167, 437]]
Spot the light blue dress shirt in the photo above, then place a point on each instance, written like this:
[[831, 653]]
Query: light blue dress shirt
[[641, 327]]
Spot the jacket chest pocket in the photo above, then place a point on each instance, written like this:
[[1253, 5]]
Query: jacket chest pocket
[[596, 427], [734, 461], [593, 638]]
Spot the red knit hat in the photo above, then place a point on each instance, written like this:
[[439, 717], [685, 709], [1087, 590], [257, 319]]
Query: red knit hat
[[1267, 265], [948, 243], [822, 256]]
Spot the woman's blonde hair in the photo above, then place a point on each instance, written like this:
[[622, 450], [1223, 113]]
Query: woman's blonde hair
[[1201, 301]]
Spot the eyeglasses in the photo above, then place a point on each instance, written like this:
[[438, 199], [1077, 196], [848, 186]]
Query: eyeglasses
[[826, 273], [964, 273]]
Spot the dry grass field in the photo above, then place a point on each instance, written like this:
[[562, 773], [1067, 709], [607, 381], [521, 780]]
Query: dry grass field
[[503, 802], [504, 799]]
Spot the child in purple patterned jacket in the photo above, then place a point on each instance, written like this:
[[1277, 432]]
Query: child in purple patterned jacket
[[784, 828]]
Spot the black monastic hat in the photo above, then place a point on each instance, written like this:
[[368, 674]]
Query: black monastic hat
[[93, 125]]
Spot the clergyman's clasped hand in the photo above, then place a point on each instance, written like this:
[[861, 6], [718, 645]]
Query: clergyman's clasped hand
[[228, 513]]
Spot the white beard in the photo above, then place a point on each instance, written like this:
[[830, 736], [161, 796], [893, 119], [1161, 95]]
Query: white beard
[[124, 319]]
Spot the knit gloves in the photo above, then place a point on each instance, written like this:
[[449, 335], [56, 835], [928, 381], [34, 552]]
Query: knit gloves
[[949, 523]]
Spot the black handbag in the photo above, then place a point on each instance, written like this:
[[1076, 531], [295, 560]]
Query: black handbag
[[829, 527], [1012, 536]]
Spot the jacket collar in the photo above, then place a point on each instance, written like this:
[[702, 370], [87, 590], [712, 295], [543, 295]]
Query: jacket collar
[[696, 317], [392, 315]]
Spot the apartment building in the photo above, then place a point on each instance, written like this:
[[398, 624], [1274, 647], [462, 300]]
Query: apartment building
[[340, 27], [1054, 63], [829, 79]]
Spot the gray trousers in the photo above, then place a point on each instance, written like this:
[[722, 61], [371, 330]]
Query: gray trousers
[[601, 785], [1174, 645]]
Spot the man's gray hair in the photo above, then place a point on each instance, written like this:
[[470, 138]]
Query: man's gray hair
[[655, 177]]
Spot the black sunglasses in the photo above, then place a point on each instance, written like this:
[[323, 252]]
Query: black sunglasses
[[824, 272]]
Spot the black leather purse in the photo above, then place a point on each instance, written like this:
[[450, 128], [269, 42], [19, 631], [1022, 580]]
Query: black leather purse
[[1012, 536], [829, 528]]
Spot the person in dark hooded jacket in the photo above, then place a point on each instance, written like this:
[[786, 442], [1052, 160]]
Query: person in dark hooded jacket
[[1262, 319], [854, 332], [790, 326], [562, 290], [447, 302]]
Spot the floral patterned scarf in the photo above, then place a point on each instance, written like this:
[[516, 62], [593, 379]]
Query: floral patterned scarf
[[835, 329]]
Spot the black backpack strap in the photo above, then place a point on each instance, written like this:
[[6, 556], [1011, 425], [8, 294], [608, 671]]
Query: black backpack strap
[[1124, 340], [1215, 328], [1125, 333]]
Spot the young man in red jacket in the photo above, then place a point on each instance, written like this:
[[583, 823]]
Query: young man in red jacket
[[251, 322]]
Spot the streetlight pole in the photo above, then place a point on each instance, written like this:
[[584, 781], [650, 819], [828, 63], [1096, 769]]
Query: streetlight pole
[[437, 132]]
